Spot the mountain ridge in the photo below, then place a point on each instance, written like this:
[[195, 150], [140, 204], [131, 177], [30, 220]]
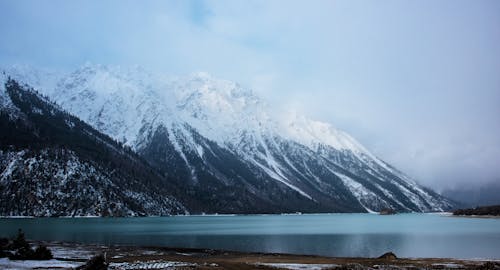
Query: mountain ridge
[[199, 123]]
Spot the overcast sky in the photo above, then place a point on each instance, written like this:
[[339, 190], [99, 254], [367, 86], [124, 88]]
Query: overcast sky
[[417, 82]]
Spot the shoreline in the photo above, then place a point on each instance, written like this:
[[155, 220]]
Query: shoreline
[[68, 255], [475, 216], [229, 215]]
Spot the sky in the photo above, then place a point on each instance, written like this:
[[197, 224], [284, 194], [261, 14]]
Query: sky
[[416, 82]]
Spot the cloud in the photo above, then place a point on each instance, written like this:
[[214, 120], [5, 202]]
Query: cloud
[[416, 82]]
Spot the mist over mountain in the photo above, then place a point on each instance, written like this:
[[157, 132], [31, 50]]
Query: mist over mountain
[[221, 149], [422, 93], [475, 195]]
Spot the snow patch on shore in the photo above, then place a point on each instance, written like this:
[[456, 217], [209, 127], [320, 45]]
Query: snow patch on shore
[[150, 265], [298, 266], [50, 264]]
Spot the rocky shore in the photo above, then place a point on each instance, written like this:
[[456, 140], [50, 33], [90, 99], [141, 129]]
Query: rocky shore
[[71, 256]]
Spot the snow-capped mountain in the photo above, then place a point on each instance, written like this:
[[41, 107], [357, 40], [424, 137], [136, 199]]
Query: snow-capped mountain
[[52, 164], [227, 151]]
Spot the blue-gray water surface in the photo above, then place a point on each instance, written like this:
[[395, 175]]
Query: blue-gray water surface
[[351, 235]]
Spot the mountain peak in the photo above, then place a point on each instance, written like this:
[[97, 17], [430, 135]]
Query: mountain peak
[[201, 75], [205, 82], [38, 78]]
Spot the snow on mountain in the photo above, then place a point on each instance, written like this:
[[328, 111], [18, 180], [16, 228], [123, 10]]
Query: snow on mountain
[[5, 102], [201, 116], [38, 78], [52, 164], [220, 110]]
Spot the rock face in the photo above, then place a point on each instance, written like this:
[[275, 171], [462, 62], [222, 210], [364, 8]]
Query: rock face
[[224, 150]]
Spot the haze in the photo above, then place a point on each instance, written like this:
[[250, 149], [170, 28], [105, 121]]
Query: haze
[[417, 82]]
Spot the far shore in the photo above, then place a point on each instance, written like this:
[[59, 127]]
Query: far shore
[[475, 216], [230, 215], [489, 211]]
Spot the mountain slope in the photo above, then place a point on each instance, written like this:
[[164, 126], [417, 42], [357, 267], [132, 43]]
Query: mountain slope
[[52, 164], [226, 151]]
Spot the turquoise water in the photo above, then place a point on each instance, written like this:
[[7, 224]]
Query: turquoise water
[[408, 235]]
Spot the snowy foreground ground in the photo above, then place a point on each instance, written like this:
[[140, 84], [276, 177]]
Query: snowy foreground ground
[[71, 256]]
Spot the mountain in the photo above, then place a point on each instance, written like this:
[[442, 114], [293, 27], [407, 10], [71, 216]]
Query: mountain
[[54, 164], [224, 150]]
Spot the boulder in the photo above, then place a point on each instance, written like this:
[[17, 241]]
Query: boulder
[[388, 256], [387, 211]]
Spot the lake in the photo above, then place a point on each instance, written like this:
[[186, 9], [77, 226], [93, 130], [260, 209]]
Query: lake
[[351, 235]]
